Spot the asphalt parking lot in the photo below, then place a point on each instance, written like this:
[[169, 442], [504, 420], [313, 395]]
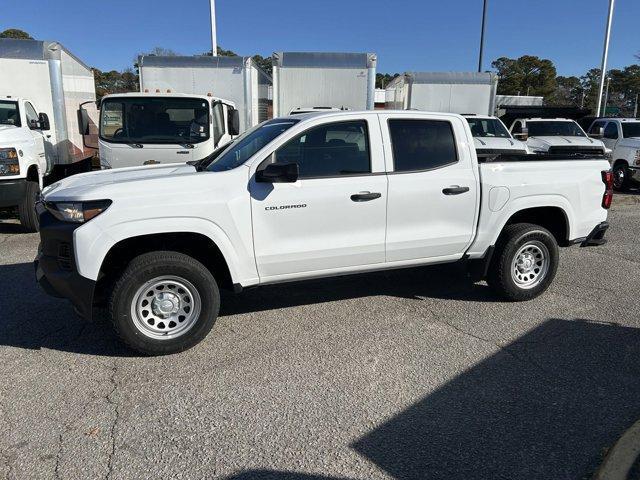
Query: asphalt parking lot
[[405, 374]]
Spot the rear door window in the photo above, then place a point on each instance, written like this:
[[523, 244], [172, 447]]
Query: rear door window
[[422, 144]]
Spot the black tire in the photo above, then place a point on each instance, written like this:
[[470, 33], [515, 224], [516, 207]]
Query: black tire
[[511, 285], [145, 268], [27, 208], [621, 177]]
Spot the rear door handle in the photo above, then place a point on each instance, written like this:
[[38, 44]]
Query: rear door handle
[[455, 190], [365, 196]]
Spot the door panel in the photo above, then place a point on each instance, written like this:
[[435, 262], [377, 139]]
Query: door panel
[[432, 209], [314, 223]]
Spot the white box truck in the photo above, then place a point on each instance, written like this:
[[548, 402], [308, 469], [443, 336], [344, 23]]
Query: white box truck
[[237, 79], [453, 92], [303, 80], [42, 86]]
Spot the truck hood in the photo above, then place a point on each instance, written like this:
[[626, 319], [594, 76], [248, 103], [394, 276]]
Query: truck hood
[[86, 185], [497, 143], [10, 135], [554, 140]]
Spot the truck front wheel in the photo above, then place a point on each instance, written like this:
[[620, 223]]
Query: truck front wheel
[[524, 263], [164, 302], [27, 208]]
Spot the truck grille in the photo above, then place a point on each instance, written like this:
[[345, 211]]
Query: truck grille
[[576, 149], [64, 257]]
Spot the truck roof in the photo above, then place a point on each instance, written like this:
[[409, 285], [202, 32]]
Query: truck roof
[[168, 94], [539, 119], [335, 113]]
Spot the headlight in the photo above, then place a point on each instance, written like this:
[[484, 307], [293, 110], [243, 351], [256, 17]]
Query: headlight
[[9, 164], [77, 212]]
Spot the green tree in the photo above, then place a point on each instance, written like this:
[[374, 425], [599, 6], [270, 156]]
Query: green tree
[[527, 75], [15, 33], [383, 79], [569, 92], [115, 82]]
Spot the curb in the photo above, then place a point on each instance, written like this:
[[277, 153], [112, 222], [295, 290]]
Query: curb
[[622, 456]]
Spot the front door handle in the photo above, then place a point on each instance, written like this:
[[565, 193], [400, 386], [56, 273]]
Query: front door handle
[[455, 190], [365, 196]]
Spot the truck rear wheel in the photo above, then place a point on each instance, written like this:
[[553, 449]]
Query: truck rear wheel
[[164, 302], [524, 263], [27, 208]]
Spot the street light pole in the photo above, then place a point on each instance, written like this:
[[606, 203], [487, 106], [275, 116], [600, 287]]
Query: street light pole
[[605, 54], [214, 39], [484, 20], [606, 96], [635, 109]]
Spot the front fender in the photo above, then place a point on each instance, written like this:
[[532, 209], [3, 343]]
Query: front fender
[[92, 243]]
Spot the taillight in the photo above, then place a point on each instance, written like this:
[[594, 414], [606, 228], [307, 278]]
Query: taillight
[[607, 179]]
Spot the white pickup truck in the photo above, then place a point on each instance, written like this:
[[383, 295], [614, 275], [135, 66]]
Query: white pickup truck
[[491, 137], [622, 137], [305, 196], [556, 136]]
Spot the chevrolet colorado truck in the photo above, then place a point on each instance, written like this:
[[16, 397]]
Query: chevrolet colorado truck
[[622, 137], [307, 196], [556, 136]]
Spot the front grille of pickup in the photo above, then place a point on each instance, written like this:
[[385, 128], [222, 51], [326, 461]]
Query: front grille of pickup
[[572, 149], [64, 257]]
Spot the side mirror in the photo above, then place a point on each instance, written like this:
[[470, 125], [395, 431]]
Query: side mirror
[[278, 173], [83, 121], [233, 122], [599, 133], [523, 134], [43, 120]]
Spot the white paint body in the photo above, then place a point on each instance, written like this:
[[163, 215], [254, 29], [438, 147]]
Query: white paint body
[[623, 148], [115, 154], [412, 223]]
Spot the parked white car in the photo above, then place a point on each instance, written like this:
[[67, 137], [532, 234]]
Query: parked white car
[[306, 196], [555, 136], [622, 136], [491, 137]]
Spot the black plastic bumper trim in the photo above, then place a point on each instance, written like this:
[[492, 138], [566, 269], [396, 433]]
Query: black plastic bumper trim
[[596, 237], [12, 192]]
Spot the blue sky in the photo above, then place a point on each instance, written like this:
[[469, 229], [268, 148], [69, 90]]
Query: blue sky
[[432, 35]]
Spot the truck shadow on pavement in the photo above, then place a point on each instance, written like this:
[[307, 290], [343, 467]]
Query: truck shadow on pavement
[[32, 319], [545, 406]]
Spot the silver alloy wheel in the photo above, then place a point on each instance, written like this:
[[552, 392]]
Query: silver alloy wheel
[[165, 307], [530, 264]]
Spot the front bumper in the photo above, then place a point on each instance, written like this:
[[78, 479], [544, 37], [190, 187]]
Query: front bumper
[[55, 265], [12, 192]]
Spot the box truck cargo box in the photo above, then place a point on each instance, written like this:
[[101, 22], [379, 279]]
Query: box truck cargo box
[[454, 92], [237, 79], [315, 79]]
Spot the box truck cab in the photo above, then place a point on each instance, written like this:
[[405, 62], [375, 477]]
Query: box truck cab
[[42, 86], [491, 137], [23, 161], [145, 129]]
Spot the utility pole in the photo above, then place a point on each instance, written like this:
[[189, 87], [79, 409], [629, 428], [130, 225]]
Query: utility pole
[[484, 20], [635, 109], [214, 39], [605, 54], [606, 97]]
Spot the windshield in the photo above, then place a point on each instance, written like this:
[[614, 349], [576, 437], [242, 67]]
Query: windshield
[[554, 129], [9, 114], [487, 127], [246, 145], [155, 120], [631, 129]]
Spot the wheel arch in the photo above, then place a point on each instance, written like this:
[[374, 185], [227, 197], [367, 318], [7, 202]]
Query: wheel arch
[[196, 245], [620, 161], [553, 218]]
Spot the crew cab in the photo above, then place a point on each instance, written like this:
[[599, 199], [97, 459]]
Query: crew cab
[[306, 196], [491, 137], [556, 136], [622, 137]]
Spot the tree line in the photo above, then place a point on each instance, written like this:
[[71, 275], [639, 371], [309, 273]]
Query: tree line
[[527, 75]]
